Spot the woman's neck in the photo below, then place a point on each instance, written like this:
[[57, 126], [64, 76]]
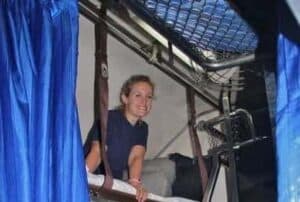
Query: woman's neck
[[132, 120]]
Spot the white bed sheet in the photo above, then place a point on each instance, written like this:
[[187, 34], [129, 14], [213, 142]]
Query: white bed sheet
[[122, 186]]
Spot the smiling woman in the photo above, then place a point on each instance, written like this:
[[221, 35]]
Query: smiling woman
[[128, 133], [136, 97]]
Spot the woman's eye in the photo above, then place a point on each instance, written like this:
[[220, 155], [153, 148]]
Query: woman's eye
[[150, 97]]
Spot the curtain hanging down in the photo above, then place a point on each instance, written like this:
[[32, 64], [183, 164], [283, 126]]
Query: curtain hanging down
[[288, 120], [288, 105], [41, 156]]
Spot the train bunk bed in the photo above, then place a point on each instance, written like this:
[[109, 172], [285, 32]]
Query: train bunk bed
[[192, 41], [120, 187]]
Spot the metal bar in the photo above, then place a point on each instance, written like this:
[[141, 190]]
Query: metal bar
[[248, 118], [228, 63], [89, 5], [202, 126], [232, 191], [88, 14], [211, 122], [210, 67], [212, 180]]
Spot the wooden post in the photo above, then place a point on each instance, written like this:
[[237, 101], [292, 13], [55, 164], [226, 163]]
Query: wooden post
[[101, 89], [196, 146]]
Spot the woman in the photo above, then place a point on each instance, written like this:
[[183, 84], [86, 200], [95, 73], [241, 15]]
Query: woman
[[127, 133]]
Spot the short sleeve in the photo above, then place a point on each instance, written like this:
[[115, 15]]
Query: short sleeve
[[93, 135], [142, 136], [94, 132]]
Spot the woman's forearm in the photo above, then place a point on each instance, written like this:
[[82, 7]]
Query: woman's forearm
[[93, 159], [135, 169], [135, 163]]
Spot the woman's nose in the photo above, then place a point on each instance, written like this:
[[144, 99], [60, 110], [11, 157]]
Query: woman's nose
[[144, 101]]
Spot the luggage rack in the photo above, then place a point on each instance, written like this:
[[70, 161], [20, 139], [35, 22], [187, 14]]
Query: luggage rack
[[211, 32], [162, 43]]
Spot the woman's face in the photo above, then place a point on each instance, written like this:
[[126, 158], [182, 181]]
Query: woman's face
[[139, 101]]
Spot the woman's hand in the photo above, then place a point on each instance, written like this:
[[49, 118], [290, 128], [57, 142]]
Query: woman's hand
[[135, 164], [141, 192]]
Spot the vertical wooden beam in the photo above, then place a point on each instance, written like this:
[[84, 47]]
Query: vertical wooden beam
[[101, 89], [196, 146]]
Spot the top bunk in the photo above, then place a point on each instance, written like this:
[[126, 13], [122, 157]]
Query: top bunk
[[200, 43], [199, 26], [213, 34]]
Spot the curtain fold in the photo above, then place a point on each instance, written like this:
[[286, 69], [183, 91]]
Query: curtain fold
[[288, 119], [40, 145]]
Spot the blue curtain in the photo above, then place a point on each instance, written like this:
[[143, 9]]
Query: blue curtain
[[40, 146], [288, 120]]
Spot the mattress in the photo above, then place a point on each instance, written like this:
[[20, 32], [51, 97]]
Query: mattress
[[122, 186]]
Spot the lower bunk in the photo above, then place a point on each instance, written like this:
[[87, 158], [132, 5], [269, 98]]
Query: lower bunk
[[122, 191], [166, 179]]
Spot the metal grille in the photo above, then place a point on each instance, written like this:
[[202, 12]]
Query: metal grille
[[210, 25]]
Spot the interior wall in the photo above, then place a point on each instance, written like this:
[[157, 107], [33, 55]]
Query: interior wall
[[168, 117]]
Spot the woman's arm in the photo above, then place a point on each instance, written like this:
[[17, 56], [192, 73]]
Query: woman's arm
[[135, 164], [135, 161], [93, 159]]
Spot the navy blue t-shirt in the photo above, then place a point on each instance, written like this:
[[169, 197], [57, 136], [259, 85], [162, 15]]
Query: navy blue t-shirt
[[121, 137]]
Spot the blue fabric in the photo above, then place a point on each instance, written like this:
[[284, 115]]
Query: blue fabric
[[121, 137], [41, 156], [288, 120]]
